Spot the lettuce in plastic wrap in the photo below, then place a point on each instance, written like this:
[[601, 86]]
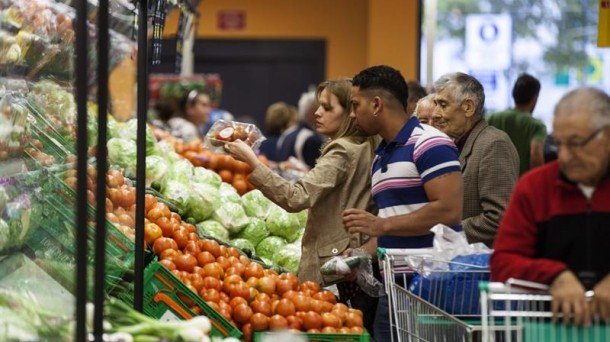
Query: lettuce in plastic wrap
[[232, 216], [181, 171], [213, 229], [256, 204], [243, 244], [176, 192], [205, 176], [270, 246], [201, 202], [229, 194], [284, 224], [156, 167], [122, 152], [289, 257], [255, 231]]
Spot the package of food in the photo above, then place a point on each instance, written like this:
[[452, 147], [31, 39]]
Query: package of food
[[223, 131]]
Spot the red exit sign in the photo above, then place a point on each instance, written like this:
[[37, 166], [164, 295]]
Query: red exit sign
[[231, 20]]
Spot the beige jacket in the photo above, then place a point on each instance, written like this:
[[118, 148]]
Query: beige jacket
[[341, 179]]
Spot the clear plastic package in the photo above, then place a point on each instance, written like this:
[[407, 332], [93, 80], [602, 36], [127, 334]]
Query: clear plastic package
[[223, 131]]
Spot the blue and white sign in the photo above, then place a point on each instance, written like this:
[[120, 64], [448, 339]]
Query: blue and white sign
[[488, 41]]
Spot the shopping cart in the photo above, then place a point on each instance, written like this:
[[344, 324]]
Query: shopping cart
[[437, 306], [520, 311]]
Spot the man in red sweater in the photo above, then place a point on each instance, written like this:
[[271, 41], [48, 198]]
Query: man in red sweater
[[556, 228]]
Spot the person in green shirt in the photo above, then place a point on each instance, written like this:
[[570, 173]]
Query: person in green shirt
[[526, 132]]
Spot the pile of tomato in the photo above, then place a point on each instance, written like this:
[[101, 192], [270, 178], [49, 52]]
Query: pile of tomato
[[244, 292]]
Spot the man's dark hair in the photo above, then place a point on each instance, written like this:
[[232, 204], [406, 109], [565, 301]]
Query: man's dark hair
[[383, 77], [525, 89]]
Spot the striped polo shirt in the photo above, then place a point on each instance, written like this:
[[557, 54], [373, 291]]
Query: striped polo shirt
[[419, 153]]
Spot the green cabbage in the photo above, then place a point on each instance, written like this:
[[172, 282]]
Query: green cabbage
[[122, 152], [167, 151], [213, 229], [203, 199], [255, 231], [242, 244], [176, 192], [205, 176], [232, 217], [256, 204], [229, 194], [156, 167], [284, 224], [129, 130], [5, 235], [180, 171], [270, 246], [289, 257]]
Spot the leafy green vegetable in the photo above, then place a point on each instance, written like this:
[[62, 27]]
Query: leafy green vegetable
[[129, 131], [122, 152], [243, 244], [180, 171], [284, 224], [201, 202], [176, 192], [167, 151], [289, 257], [255, 231], [232, 217], [205, 176], [5, 235], [229, 194], [256, 204], [156, 167], [270, 246], [213, 229]]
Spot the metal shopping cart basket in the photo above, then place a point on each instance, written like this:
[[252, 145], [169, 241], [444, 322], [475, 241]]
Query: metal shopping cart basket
[[520, 311], [437, 306]]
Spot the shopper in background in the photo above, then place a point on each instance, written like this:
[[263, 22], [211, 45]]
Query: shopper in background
[[416, 179], [181, 117], [555, 227], [301, 141], [416, 92], [339, 180], [489, 160], [424, 109], [526, 132], [279, 117], [195, 107]]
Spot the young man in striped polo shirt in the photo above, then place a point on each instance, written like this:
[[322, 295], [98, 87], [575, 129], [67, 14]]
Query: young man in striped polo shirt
[[416, 176]]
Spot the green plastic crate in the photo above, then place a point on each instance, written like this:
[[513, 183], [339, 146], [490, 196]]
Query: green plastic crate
[[162, 292], [258, 336]]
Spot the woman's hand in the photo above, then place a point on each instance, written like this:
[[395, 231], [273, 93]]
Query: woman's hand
[[242, 152]]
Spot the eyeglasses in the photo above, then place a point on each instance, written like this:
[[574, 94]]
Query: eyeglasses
[[579, 145]]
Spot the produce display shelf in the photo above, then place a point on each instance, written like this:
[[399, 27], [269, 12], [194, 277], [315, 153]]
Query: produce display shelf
[[167, 298]]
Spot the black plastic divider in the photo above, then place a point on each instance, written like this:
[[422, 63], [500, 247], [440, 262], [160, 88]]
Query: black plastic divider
[[142, 103], [80, 71], [103, 48]]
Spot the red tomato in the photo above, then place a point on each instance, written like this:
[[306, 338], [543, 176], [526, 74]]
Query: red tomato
[[262, 306], [312, 320], [259, 322], [331, 320], [205, 258], [277, 322], [266, 285], [164, 243], [185, 262], [285, 307]]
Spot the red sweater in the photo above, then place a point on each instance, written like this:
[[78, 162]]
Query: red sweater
[[548, 226]]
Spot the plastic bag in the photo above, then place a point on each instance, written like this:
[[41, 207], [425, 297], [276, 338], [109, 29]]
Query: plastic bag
[[449, 279], [225, 131], [359, 262]]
